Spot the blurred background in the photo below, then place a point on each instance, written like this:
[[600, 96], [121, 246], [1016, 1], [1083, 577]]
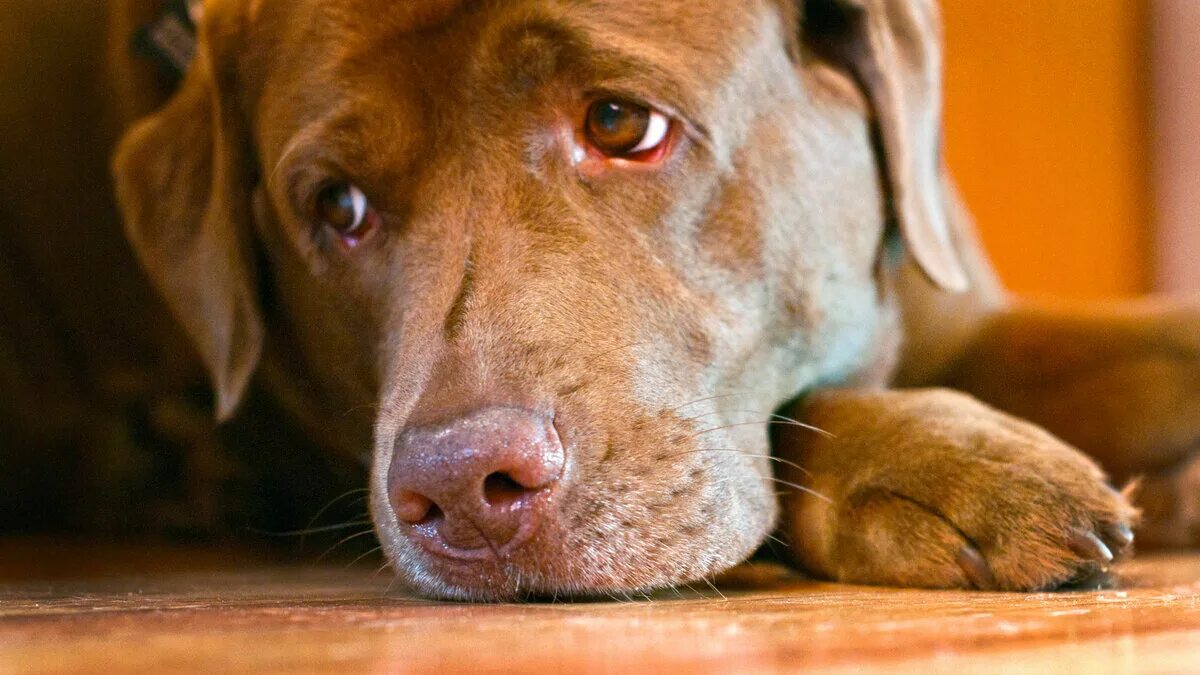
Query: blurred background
[[1072, 128]]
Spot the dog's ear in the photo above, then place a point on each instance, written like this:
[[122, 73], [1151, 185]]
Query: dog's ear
[[184, 180], [893, 49]]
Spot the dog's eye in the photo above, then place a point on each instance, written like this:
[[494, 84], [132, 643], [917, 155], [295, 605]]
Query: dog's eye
[[626, 130], [344, 208]]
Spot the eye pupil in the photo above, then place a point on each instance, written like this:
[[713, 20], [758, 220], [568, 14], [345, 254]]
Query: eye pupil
[[610, 116], [345, 203], [617, 127]]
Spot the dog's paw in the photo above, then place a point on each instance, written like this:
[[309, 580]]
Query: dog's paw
[[1025, 536], [957, 495]]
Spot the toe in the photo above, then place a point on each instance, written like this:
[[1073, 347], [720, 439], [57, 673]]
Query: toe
[[976, 569]]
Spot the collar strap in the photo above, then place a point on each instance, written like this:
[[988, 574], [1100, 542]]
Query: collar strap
[[170, 39]]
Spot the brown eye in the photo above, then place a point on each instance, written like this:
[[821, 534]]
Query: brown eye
[[622, 129], [344, 208]]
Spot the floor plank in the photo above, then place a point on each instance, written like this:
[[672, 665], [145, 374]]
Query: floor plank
[[172, 610]]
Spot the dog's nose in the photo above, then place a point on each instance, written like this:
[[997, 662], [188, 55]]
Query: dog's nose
[[478, 484]]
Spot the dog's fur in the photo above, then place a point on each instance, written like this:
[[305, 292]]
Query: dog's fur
[[801, 242]]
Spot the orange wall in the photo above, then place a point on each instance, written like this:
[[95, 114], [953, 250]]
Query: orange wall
[[1045, 132]]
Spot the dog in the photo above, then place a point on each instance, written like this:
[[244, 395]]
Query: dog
[[605, 294]]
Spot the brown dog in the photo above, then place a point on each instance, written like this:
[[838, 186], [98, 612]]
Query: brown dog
[[562, 261]]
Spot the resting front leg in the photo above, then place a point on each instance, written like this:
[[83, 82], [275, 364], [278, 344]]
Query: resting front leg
[[933, 489], [1121, 383]]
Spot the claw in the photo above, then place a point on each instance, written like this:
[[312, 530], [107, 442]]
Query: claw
[[1088, 546], [1121, 535], [976, 569]]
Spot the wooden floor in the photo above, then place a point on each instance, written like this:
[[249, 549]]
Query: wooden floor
[[177, 610]]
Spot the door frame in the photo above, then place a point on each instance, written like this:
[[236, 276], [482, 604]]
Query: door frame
[[1174, 43]]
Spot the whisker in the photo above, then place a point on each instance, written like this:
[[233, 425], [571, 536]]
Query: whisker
[[388, 591], [313, 530], [785, 418], [710, 398], [343, 541], [746, 412], [377, 549], [777, 540], [772, 479], [800, 425], [591, 360], [781, 460], [715, 589], [801, 488], [349, 493], [365, 406], [735, 451]]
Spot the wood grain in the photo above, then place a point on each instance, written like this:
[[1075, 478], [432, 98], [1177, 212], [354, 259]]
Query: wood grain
[[264, 617]]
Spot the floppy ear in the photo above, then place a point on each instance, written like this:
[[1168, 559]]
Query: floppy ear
[[183, 186], [893, 49]]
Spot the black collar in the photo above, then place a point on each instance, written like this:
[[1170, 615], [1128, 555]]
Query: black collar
[[169, 40]]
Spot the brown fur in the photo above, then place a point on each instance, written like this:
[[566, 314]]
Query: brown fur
[[662, 316]]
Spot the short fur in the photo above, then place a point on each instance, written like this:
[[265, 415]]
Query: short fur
[[801, 243]]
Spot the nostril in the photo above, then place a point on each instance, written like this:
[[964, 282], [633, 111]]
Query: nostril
[[500, 490], [413, 507], [433, 516], [476, 483]]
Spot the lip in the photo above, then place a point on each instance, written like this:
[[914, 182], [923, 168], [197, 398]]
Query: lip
[[459, 555], [431, 543]]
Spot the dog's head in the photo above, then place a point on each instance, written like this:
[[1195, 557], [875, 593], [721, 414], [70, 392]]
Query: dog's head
[[573, 254]]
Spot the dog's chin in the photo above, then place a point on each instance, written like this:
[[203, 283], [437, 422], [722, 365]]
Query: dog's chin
[[556, 567], [497, 582], [502, 581]]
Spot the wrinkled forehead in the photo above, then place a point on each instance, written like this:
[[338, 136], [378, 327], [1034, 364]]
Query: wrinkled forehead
[[681, 24], [420, 71], [682, 44]]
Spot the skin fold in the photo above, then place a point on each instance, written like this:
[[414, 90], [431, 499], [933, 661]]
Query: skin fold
[[783, 323]]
